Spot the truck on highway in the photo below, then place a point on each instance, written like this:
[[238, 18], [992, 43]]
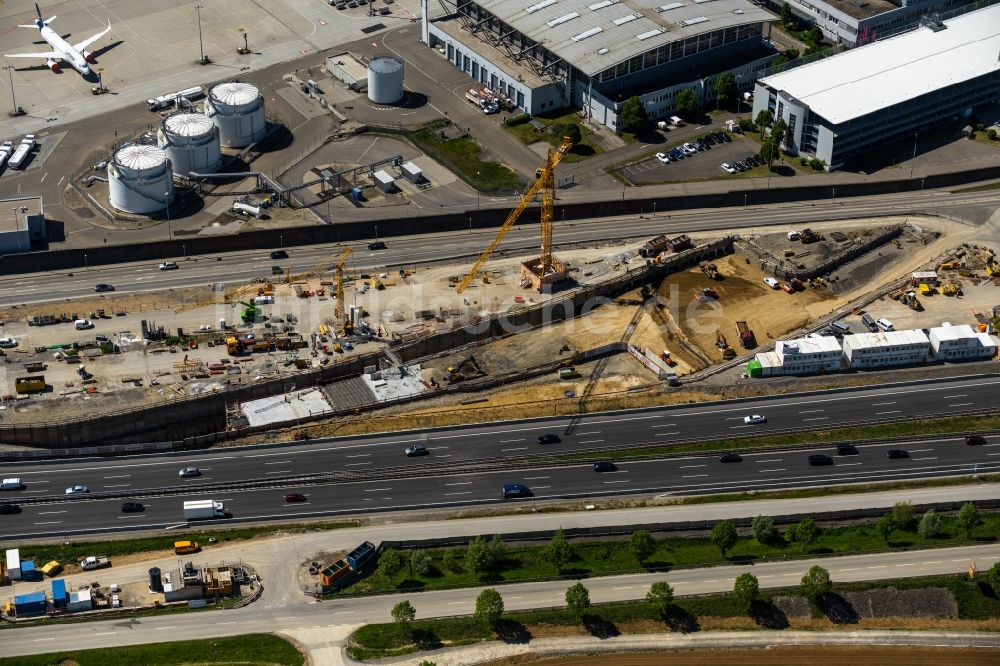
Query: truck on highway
[[92, 562], [175, 98], [201, 509], [21, 153]]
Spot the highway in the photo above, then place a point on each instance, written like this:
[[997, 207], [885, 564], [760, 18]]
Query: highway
[[388, 480], [242, 267]]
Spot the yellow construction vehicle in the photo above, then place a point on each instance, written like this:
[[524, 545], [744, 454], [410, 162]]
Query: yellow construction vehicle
[[544, 183], [375, 282], [711, 270], [234, 345], [720, 342]]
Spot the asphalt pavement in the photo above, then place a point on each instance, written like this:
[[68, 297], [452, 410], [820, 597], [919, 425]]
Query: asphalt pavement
[[385, 479]]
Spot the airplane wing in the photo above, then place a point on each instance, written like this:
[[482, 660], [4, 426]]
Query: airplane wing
[[87, 42], [49, 54]]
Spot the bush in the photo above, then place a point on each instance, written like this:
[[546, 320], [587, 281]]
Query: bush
[[804, 161], [902, 515], [642, 544], [930, 525], [723, 536], [489, 607], [980, 127], [991, 134], [816, 164], [746, 589], [519, 119], [746, 125], [763, 530]]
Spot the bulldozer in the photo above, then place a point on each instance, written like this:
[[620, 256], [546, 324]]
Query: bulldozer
[[720, 342], [711, 270]]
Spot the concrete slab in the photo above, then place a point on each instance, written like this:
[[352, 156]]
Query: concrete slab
[[393, 384], [287, 407]]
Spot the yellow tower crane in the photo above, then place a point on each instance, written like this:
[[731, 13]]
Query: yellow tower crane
[[544, 181], [338, 307]]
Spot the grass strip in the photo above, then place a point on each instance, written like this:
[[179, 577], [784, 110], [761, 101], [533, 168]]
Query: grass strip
[[248, 649], [449, 568], [463, 156], [975, 601], [978, 188]]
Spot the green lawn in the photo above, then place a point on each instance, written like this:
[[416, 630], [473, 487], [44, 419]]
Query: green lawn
[[248, 649], [978, 188], [463, 156], [384, 640], [602, 558], [527, 134]]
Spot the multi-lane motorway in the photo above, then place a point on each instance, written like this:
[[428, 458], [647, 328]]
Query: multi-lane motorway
[[429, 483]]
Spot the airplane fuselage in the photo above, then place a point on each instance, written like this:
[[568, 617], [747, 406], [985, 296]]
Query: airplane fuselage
[[69, 55]]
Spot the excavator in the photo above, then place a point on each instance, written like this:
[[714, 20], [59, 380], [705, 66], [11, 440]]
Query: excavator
[[720, 342], [250, 312]]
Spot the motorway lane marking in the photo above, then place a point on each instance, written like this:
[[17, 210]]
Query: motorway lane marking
[[281, 471], [840, 464], [960, 404], [510, 441], [216, 623], [816, 418], [357, 464], [926, 458], [592, 441], [376, 499], [934, 562], [164, 628], [920, 450], [118, 485], [45, 513], [108, 633], [811, 411], [38, 640], [770, 460], [957, 395], [51, 482], [521, 448], [877, 566], [532, 478], [283, 462], [622, 481], [895, 411], [378, 490], [882, 404], [909, 564], [55, 522], [740, 426], [851, 569], [993, 454], [293, 504], [593, 432], [691, 466], [285, 617], [467, 492], [734, 418], [663, 425], [461, 483], [667, 434], [627, 587], [457, 603], [355, 455], [445, 456], [541, 487], [118, 476], [693, 476], [779, 469]]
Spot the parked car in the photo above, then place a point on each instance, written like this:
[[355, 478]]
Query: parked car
[[604, 466], [689, 148], [416, 450], [753, 419], [846, 450], [7, 509], [897, 453], [977, 440], [730, 457], [677, 153], [8, 343], [727, 167], [772, 283], [820, 459], [189, 472], [279, 254], [168, 266], [725, 137], [514, 490], [76, 490], [377, 245], [663, 157], [549, 438], [132, 507], [295, 497], [103, 287]]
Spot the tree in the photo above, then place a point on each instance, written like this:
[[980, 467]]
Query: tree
[[991, 134], [768, 151], [577, 600], [786, 14], [389, 562], [814, 37], [763, 530], [884, 527], [404, 614], [930, 524], [764, 119], [746, 590], [992, 577], [558, 552], [778, 133], [477, 558], [803, 532], [725, 89], [489, 607], [968, 519], [632, 115], [687, 104], [573, 131], [723, 536], [496, 551], [660, 596], [642, 544], [420, 563], [902, 515], [816, 583]]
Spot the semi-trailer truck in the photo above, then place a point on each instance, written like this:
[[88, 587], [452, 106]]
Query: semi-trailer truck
[[202, 509], [164, 101]]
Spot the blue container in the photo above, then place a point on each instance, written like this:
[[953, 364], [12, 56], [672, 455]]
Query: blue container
[[358, 557], [356, 193], [30, 604], [28, 571], [59, 595]]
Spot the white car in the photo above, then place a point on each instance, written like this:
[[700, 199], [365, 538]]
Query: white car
[[689, 148], [168, 266], [727, 167], [663, 157], [754, 418], [189, 472], [8, 342], [83, 324], [772, 283], [76, 490]]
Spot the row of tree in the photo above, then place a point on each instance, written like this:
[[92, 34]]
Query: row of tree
[[687, 104]]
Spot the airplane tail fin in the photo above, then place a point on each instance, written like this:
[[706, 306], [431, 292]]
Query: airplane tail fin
[[44, 21]]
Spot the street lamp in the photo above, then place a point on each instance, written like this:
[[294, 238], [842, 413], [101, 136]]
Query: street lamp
[[477, 191], [166, 200], [15, 111], [201, 47]]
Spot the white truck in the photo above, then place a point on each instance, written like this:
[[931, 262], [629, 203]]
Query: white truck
[[22, 152], [12, 483], [6, 148], [164, 101], [92, 562], [201, 509]]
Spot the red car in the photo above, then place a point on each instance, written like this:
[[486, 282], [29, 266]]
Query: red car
[[295, 497]]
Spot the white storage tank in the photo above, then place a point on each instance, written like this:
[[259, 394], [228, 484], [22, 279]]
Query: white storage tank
[[191, 142], [237, 109], [385, 80], [140, 179]]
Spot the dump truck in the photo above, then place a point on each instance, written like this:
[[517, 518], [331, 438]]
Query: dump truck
[[92, 562], [202, 509], [746, 335], [31, 384], [235, 346]]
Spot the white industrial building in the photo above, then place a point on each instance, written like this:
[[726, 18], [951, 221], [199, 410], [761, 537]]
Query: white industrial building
[[80, 600], [883, 349], [843, 106], [804, 356], [961, 343], [22, 220]]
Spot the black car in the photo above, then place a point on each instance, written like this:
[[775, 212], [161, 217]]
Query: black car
[[604, 466], [820, 459], [897, 453], [730, 457], [416, 450], [6, 509], [377, 245], [132, 507], [515, 490], [710, 138], [276, 270], [846, 450], [103, 287], [549, 438], [296, 497], [976, 440], [279, 254]]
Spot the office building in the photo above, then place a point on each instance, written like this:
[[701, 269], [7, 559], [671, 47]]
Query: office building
[[961, 343]]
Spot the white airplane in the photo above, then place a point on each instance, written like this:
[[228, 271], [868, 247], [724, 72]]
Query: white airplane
[[75, 55]]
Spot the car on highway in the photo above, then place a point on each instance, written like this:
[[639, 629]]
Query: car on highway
[[847, 450], [549, 438], [132, 507], [416, 450], [820, 459], [377, 245], [663, 157], [8, 343], [604, 466], [514, 490], [754, 418], [897, 453], [975, 440], [188, 472], [169, 266], [730, 457], [7, 509], [77, 490], [277, 270], [279, 254], [103, 286], [296, 497]]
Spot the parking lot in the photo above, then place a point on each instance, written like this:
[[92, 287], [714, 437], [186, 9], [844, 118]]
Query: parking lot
[[699, 166]]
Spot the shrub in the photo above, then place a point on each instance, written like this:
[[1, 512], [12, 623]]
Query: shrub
[[763, 530], [519, 119], [930, 525], [746, 125], [991, 134]]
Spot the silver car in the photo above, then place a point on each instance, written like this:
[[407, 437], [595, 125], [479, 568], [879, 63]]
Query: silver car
[[187, 472]]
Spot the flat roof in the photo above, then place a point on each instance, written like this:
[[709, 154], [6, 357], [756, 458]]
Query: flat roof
[[885, 339], [959, 332], [879, 75], [818, 345], [11, 209], [593, 35], [861, 9]]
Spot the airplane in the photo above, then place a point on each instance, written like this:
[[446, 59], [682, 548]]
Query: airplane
[[76, 55]]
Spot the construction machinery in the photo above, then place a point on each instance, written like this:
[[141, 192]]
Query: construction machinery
[[705, 294], [711, 270], [250, 312], [338, 307], [950, 288], [235, 346], [720, 342], [544, 183], [466, 369]]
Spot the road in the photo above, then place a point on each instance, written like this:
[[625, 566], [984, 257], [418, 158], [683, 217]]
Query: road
[[392, 481], [340, 615]]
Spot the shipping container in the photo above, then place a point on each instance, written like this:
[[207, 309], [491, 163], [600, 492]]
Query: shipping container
[[338, 569], [360, 556], [14, 564], [59, 595], [26, 605], [28, 571]]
